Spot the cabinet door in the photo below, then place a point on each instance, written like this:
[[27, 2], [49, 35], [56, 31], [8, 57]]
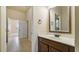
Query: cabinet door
[[71, 49], [51, 49], [43, 47]]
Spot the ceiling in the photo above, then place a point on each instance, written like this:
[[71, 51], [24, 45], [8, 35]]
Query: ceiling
[[19, 8]]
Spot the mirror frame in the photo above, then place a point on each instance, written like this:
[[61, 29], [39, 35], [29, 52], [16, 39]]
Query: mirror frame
[[69, 22]]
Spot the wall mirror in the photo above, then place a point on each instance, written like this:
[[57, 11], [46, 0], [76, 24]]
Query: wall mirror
[[60, 19]]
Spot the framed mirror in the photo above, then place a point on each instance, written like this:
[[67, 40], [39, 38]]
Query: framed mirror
[[60, 19]]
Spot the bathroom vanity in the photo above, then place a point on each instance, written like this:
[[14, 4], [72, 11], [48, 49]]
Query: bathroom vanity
[[59, 22], [47, 44]]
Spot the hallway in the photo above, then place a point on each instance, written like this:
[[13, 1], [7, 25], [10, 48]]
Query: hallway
[[18, 29], [18, 45]]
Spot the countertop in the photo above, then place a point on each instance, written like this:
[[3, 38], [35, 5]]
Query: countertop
[[65, 40]]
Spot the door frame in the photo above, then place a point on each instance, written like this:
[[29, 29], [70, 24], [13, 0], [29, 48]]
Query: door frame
[[3, 29]]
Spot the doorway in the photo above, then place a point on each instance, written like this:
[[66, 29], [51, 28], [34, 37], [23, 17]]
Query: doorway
[[18, 37], [13, 35]]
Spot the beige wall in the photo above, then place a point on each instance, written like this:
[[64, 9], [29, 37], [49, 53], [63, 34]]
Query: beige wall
[[17, 15], [3, 29], [0, 28], [77, 28], [42, 14]]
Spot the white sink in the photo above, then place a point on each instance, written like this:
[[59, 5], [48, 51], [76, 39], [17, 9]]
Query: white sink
[[50, 35]]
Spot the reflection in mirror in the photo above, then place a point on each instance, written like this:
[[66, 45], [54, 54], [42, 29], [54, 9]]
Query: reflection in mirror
[[59, 19]]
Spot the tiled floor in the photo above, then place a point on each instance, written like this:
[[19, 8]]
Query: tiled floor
[[18, 45]]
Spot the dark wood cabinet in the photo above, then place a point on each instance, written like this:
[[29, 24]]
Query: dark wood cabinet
[[51, 49], [46, 45]]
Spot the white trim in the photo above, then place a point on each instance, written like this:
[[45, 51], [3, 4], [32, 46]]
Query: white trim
[[3, 29]]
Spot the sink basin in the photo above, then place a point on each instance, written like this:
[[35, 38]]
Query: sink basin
[[50, 35], [53, 35]]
